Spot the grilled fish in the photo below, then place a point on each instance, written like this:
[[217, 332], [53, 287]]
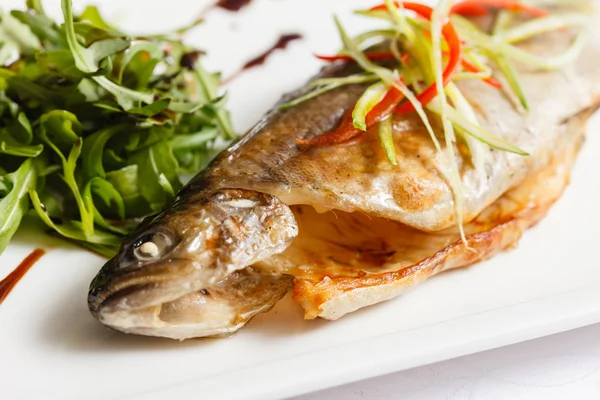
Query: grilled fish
[[340, 223]]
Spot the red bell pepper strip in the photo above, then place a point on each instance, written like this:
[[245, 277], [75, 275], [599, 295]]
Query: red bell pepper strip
[[388, 56], [474, 10], [454, 59], [474, 7], [472, 68], [347, 131]]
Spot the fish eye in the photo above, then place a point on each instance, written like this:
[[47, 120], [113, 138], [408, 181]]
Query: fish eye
[[151, 246]]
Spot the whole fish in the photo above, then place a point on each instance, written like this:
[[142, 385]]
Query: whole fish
[[341, 224]]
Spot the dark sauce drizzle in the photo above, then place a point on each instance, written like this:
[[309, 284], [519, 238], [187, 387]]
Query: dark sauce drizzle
[[229, 5], [233, 5], [7, 284], [282, 43]]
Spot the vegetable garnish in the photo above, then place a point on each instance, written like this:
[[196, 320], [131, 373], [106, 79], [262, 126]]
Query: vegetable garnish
[[482, 7], [472, 68], [349, 129], [97, 127], [373, 56], [455, 55], [419, 59]]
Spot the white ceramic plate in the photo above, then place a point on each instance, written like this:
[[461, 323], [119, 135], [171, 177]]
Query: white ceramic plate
[[51, 348]]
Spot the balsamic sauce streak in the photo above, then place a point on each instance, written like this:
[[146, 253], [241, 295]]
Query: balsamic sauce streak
[[11, 280], [229, 5], [232, 5], [281, 44]]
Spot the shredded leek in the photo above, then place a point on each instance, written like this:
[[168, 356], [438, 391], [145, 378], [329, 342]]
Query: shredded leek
[[538, 26], [370, 98], [440, 13], [512, 77], [348, 80], [327, 84], [463, 106], [476, 131], [387, 140]]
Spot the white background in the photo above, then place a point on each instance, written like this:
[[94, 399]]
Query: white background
[[51, 348]]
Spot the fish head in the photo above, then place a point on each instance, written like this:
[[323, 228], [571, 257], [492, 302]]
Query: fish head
[[185, 272]]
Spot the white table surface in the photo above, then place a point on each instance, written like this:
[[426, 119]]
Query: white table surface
[[562, 366]]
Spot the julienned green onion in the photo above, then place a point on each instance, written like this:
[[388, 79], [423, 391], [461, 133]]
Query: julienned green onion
[[538, 26], [419, 50], [387, 76], [387, 140], [347, 80], [325, 85], [370, 98], [461, 123], [496, 44], [462, 105], [510, 74]]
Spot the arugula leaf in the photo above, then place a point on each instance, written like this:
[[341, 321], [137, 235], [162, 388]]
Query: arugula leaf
[[157, 174], [35, 5], [92, 15], [107, 193], [93, 150], [9, 145], [108, 47], [16, 38], [41, 26], [72, 230], [139, 62], [60, 129], [86, 60], [125, 181], [194, 141], [151, 109], [59, 62], [69, 164], [15, 204], [209, 84]]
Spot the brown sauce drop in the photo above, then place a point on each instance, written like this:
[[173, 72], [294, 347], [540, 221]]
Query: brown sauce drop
[[281, 44], [229, 5], [233, 5], [11, 280]]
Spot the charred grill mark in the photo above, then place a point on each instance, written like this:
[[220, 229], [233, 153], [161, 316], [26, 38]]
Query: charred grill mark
[[365, 255], [337, 229]]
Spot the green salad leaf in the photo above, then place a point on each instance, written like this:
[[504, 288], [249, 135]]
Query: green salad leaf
[[15, 202], [98, 128]]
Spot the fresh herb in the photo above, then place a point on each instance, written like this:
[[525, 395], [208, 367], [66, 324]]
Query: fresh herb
[[97, 127]]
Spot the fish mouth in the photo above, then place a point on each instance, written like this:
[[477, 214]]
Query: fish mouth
[[154, 284], [167, 309], [158, 300], [178, 305], [194, 314]]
